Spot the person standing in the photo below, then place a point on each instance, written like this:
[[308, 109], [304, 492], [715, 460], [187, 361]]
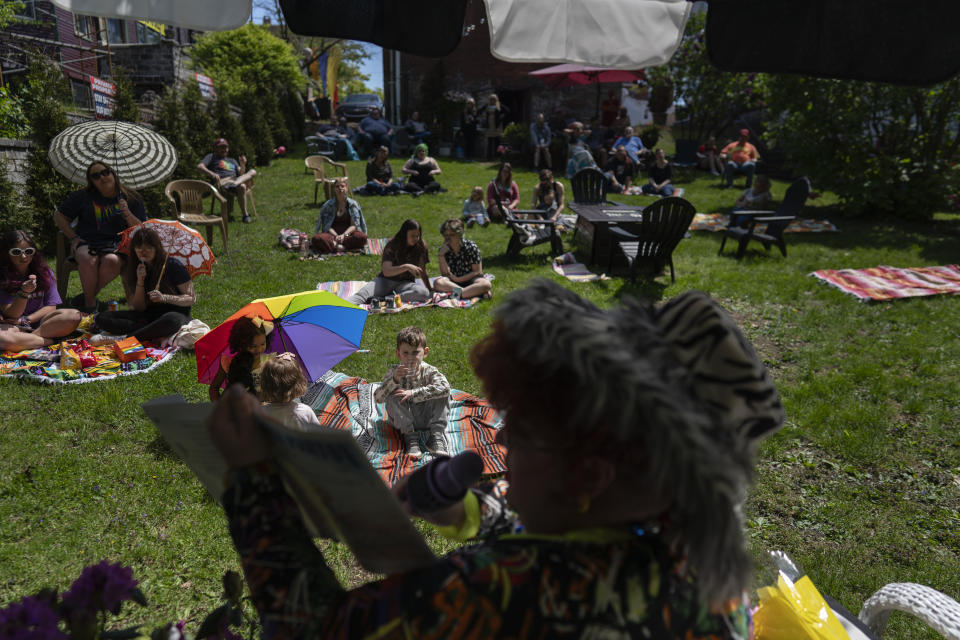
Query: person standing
[[92, 220], [493, 115], [468, 127], [540, 137]]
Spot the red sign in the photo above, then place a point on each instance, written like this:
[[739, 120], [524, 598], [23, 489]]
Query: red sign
[[103, 97], [206, 86]]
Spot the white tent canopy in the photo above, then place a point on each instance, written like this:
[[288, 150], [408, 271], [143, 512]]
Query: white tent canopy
[[202, 15]]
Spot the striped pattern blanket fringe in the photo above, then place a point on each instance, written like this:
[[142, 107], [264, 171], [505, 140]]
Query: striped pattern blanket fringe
[[718, 222], [346, 288], [568, 267], [890, 283], [43, 365], [347, 403], [374, 247], [637, 190]]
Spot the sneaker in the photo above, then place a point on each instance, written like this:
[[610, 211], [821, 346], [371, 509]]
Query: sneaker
[[246, 220], [714, 172], [437, 444], [413, 445]]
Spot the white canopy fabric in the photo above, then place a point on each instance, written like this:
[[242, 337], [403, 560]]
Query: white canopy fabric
[[620, 34], [202, 15]]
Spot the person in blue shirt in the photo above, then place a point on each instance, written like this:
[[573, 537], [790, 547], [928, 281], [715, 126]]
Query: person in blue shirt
[[632, 144], [375, 131], [540, 137]]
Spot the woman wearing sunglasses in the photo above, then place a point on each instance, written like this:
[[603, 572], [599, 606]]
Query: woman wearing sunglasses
[[29, 298], [92, 220]]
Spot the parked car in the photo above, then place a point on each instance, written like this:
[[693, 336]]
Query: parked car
[[359, 105]]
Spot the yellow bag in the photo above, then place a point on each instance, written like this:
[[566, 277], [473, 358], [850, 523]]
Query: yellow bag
[[795, 611], [69, 358]]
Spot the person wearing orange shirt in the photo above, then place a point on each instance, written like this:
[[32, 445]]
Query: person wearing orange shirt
[[741, 157]]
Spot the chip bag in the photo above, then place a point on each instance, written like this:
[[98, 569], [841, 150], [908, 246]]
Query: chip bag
[[795, 611], [129, 349], [69, 358]]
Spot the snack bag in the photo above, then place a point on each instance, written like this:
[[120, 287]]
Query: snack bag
[[795, 611], [69, 358], [129, 349]]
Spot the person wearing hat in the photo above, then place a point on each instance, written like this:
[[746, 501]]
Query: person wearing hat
[[228, 174], [741, 157]]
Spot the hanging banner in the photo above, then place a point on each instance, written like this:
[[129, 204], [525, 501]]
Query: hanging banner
[[206, 86], [159, 27], [333, 66], [103, 97]]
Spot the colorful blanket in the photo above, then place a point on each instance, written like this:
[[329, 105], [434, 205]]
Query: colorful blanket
[[374, 247], [43, 365], [568, 267], [718, 222], [888, 283], [346, 288], [347, 403]]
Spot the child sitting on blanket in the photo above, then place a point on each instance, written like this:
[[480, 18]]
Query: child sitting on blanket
[[248, 342], [416, 395], [281, 385], [474, 211]]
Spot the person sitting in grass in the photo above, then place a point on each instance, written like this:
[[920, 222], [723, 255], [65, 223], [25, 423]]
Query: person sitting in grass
[[661, 176], [474, 212], [421, 168], [340, 225], [461, 269], [281, 384], [416, 395], [404, 262], [380, 175], [620, 516], [248, 344], [29, 318]]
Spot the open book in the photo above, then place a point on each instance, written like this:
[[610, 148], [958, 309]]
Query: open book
[[340, 495]]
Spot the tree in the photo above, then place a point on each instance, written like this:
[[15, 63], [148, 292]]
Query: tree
[[198, 125], [881, 148], [8, 11], [125, 102], [258, 130], [708, 100], [171, 124], [228, 126], [43, 103]]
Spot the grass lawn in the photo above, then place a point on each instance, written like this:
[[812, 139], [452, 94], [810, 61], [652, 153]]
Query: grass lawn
[[861, 487]]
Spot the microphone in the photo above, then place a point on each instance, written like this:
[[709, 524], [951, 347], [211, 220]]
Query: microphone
[[443, 482]]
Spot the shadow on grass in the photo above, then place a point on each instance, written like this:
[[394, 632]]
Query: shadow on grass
[[160, 450]]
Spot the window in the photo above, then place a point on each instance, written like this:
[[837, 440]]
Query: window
[[116, 31], [81, 93], [86, 26], [27, 10], [146, 35]]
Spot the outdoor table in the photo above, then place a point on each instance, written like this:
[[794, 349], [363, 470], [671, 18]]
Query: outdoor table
[[592, 236]]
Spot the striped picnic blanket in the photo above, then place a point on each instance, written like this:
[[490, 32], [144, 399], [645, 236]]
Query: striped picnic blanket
[[344, 402], [43, 365], [346, 288], [718, 222], [888, 283]]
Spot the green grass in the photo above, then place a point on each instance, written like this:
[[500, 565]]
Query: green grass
[[861, 487]]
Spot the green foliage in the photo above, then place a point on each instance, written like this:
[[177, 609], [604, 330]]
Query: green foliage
[[198, 125], [292, 106], [708, 100], [350, 78], [8, 11], [125, 102], [13, 122], [171, 123], [276, 121], [43, 104], [649, 136], [516, 135], [881, 148], [258, 129], [247, 59], [227, 126], [11, 213]]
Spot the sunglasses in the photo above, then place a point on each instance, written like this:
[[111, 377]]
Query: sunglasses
[[16, 252], [100, 174]]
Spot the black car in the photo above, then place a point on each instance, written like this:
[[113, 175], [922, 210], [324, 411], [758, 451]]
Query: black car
[[359, 105]]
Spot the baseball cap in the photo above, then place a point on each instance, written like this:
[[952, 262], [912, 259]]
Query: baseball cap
[[745, 132], [221, 141]]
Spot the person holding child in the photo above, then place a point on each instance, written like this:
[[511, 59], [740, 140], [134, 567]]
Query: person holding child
[[504, 190], [474, 212], [461, 269], [248, 344], [629, 492], [548, 188], [416, 395], [159, 291], [281, 384], [404, 261], [661, 176], [92, 220], [340, 225], [29, 318]]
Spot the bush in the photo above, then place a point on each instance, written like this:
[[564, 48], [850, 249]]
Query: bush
[[13, 122], [12, 215], [125, 102], [199, 130], [255, 124], [228, 126], [649, 136], [516, 136]]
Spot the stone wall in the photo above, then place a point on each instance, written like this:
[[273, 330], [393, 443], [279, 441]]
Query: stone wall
[[15, 152]]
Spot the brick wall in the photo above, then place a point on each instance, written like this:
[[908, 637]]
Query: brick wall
[[15, 153]]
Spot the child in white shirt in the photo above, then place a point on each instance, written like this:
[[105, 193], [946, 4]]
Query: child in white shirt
[[281, 384]]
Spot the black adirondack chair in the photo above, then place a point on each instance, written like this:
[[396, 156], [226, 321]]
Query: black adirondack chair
[[649, 244], [776, 221], [529, 230], [590, 187]]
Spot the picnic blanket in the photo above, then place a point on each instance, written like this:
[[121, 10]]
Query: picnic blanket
[[718, 222], [888, 283], [346, 288], [43, 365], [290, 240], [568, 267], [637, 190], [344, 402]]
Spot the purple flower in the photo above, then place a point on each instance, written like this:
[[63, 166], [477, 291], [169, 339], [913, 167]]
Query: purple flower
[[102, 586], [31, 618]]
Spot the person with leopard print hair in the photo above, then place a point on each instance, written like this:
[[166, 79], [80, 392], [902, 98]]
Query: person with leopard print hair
[[630, 435]]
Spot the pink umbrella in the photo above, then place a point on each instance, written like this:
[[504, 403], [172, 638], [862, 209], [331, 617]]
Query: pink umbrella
[[573, 75]]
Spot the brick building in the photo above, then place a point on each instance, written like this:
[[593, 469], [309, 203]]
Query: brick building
[[471, 68]]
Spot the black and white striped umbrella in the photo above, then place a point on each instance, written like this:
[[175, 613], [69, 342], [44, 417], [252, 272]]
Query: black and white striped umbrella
[[141, 157]]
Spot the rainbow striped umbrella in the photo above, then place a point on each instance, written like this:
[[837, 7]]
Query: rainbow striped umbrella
[[320, 328]]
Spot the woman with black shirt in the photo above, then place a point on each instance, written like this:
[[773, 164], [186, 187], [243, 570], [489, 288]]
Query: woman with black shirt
[[404, 262], [380, 174], [661, 177], [421, 168]]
